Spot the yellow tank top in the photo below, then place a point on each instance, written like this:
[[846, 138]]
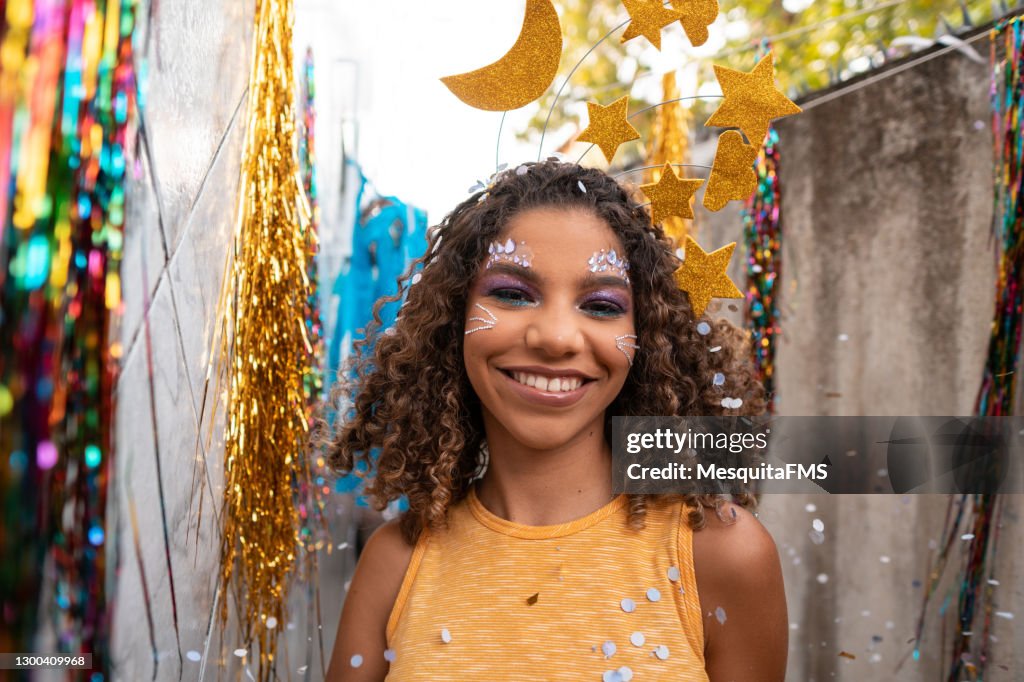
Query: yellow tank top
[[592, 599]]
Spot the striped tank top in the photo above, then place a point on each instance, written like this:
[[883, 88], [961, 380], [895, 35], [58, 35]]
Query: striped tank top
[[592, 599]]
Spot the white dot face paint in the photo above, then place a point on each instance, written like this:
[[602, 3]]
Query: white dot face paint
[[481, 323], [609, 261], [508, 251]]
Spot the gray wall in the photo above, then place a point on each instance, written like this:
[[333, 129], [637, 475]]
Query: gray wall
[[887, 201], [180, 221]]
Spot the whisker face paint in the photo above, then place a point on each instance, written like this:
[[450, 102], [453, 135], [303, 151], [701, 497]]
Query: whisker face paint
[[485, 322], [627, 341]]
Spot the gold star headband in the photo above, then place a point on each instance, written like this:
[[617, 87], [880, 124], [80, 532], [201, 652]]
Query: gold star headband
[[750, 103]]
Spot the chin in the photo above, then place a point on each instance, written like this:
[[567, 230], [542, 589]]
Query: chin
[[546, 434]]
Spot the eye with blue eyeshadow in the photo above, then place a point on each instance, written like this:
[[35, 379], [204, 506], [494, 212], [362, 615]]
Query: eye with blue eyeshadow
[[605, 304], [511, 296]]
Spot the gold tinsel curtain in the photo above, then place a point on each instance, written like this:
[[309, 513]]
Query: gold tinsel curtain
[[264, 351], [670, 143]]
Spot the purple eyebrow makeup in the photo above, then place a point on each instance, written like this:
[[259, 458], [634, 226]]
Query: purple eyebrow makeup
[[485, 322], [510, 252], [627, 341], [609, 261]]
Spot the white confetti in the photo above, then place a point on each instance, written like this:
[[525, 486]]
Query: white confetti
[[241, 652], [608, 649], [889, 625], [446, 636], [673, 574], [271, 623], [967, 536], [637, 639], [811, 507], [714, 349], [794, 626], [653, 594], [356, 661], [625, 673], [720, 615], [818, 525], [628, 605], [844, 337], [662, 652], [703, 328], [302, 669], [583, 188], [992, 581], [817, 537], [718, 379], [1008, 615], [884, 559], [389, 655], [823, 578], [415, 280], [194, 656], [875, 658], [611, 676], [522, 170], [249, 674]]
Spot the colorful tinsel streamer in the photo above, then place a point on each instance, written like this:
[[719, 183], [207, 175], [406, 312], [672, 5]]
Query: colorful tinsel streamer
[[762, 230], [979, 514], [66, 100], [670, 143], [265, 351]]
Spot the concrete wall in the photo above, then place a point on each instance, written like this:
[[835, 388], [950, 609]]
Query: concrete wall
[[887, 297], [170, 453]]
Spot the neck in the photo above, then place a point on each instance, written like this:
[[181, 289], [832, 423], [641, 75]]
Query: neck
[[543, 487]]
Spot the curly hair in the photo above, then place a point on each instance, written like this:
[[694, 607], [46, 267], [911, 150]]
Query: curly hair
[[406, 395]]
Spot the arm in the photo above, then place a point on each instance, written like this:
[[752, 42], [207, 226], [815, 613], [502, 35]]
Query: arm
[[737, 569], [368, 605]]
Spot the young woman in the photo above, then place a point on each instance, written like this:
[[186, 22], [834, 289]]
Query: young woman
[[545, 306]]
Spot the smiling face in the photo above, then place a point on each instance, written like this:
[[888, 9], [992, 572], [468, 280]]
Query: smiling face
[[548, 345]]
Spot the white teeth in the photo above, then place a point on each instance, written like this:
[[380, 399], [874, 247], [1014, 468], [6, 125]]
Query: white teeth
[[553, 385]]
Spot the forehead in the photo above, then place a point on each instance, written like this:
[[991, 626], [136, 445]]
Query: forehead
[[561, 236]]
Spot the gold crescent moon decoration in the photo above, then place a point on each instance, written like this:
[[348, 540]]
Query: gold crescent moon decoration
[[524, 73]]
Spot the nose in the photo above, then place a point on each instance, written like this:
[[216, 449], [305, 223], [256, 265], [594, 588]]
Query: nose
[[555, 333]]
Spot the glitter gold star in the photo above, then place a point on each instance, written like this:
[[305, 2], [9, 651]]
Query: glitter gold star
[[608, 127], [697, 16], [647, 18], [751, 100], [732, 173], [670, 195], [702, 275]]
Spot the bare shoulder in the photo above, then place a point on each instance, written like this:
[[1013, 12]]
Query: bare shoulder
[[368, 604], [743, 600], [732, 545]]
